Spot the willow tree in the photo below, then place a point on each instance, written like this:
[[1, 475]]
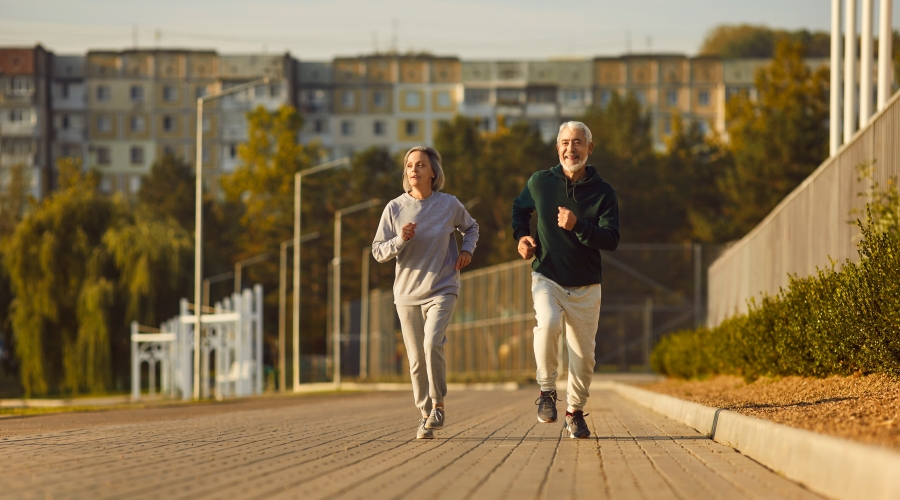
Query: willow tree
[[81, 266]]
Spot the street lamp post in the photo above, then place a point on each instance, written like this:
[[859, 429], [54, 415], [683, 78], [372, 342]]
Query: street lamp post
[[213, 279], [198, 227], [298, 178], [241, 264], [364, 315], [336, 287], [282, 305]]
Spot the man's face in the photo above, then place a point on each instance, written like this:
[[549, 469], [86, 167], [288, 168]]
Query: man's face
[[573, 149]]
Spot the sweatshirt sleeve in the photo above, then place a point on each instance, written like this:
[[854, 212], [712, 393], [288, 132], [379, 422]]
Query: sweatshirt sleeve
[[466, 225], [605, 234], [388, 243], [523, 206]]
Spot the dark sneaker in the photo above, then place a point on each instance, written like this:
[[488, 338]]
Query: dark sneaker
[[546, 402], [423, 432], [576, 425], [436, 419]]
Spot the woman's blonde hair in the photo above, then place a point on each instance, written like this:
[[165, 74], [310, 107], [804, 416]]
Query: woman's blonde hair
[[435, 159]]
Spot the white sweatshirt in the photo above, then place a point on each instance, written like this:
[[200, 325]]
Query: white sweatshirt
[[425, 263]]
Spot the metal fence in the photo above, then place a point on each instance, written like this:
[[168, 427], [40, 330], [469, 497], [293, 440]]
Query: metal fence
[[648, 290], [810, 228]]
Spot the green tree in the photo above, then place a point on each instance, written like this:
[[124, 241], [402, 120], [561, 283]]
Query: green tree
[[776, 140], [690, 172], [60, 275], [15, 199], [746, 40]]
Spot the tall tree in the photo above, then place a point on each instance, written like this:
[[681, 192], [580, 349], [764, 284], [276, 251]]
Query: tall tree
[[776, 140], [746, 40], [15, 199]]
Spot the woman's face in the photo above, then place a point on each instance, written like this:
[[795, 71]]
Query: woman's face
[[419, 171]]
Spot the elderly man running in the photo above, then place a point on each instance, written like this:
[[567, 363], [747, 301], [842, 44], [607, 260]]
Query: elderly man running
[[578, 215]]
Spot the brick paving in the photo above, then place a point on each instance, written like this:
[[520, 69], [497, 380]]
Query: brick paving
[[363, 446]]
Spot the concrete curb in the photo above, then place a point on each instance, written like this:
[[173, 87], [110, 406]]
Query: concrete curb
[[834, 467]]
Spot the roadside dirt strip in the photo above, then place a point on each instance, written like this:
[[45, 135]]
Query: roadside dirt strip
[[363, 446]]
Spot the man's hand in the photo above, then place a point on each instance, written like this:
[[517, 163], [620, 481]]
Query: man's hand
[[566, 219], [463, 260], [527, 246], [408, 231]]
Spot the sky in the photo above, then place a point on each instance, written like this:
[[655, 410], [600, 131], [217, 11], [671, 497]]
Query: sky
[[470, 29]]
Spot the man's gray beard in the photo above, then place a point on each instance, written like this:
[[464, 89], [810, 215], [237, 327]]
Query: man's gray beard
[[575, 168]]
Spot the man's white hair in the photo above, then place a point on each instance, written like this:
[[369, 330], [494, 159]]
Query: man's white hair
[[573, 125]]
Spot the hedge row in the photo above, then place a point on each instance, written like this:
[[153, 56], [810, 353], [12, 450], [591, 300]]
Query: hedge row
[[835, 323]]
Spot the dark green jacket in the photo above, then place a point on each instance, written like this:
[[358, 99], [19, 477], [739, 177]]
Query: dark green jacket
[[570, 258]]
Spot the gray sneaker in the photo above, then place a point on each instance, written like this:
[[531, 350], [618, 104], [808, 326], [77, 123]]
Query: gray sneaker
[[436, 419], [424, 432], [546, 402], [576, 425]]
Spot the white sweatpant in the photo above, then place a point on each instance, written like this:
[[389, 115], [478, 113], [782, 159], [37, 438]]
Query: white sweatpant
[[581, 305], [424, 330]]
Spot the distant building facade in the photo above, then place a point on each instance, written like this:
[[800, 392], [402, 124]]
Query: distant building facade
[[121, 111]]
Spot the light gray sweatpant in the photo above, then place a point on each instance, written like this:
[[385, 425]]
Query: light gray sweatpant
[[424, 330], [581, 305]]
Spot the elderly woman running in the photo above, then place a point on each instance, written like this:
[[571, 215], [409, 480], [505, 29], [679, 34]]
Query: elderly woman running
[[427, 273]]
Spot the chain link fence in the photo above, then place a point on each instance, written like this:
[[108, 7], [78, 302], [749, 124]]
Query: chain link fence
[[648, 290]]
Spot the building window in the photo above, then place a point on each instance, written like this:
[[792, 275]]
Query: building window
[[346, 127], [64, 124], [378, 99], [106, 184], [136, 93], [232, 151], [641, 97], [102, 93], [703, 98], [348, 100], [703, 125], [275, 90], [574, 96], [205, 155], [443, 99], [412, 128], [168, 124], [137, 155], [64, 90], [672, 97], [477, 96], [168, 151], [104, 124], [605, 97], [20, 85], [207, 124], [667, 126], [199, 92], [103, 157], [541, 95], [319, 126], [17, 115], [508, 97], [378, 127], [134, 183], [412, 99], [170, 93], [137, 124]]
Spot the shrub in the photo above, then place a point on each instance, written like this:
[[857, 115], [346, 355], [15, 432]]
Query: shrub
[[838, 322]]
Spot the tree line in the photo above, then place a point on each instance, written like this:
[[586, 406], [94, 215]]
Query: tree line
[[79, 266]]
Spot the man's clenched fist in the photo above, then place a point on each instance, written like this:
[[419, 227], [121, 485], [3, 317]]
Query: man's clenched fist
[[527, 247], [566, 219]]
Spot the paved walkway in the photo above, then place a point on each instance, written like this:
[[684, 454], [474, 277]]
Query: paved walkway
[[360, 446]]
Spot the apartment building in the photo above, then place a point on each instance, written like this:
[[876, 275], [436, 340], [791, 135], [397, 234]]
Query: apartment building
[[25, 131], [68, 108], [392, 101], [142, 105]]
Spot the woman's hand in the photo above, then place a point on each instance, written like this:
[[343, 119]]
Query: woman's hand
[[463, 260], [408, 231]]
